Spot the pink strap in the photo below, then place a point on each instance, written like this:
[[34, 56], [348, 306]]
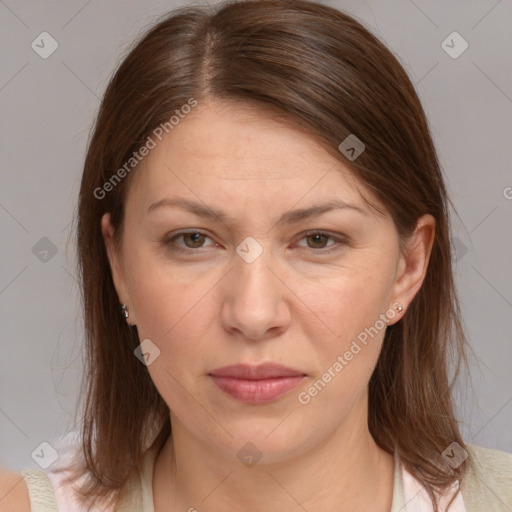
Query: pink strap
[[417, 499], [60, 476]]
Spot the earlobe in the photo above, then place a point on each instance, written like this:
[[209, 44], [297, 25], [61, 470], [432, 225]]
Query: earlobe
[[413, 263]]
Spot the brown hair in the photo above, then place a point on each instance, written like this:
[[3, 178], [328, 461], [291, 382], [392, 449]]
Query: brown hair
[[325, 72]]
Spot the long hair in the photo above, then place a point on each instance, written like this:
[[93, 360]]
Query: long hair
[[322, 70]]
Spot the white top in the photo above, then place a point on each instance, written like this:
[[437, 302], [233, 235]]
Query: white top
[[52, 490]]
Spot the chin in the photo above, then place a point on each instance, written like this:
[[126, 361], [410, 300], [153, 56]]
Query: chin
[[265, 441]]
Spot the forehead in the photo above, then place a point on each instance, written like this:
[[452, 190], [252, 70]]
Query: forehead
[[223, 149]]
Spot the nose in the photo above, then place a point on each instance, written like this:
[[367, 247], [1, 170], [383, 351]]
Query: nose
[[255, 297]]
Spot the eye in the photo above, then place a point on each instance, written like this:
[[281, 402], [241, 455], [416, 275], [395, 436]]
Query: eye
[[193, 240], [196, 239], [319, 239]]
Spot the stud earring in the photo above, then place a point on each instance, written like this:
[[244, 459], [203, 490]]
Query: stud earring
[[399, 308], [124, 307]]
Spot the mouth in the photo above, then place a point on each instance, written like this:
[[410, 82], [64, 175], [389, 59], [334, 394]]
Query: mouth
[[256, 384]]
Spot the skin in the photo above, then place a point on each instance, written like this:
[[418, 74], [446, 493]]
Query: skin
[[206, 307]]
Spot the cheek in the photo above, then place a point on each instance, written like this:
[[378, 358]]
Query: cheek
[[346, 338], [346, 303], [174, 314], [167, 299], [346, 345]]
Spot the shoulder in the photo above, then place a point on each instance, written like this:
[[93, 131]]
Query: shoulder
[[45, 490], [14, 496], [488, 480], [490, 464], [489, 455]]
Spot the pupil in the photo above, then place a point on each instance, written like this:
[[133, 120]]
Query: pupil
[[317, 238], [194, 237]]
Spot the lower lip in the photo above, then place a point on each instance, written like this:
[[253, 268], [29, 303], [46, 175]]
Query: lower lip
[[256, 391]]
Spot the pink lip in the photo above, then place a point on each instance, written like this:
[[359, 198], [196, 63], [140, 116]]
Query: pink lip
[[256, 384]]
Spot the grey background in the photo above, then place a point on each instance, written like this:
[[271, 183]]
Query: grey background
[[48, 106]]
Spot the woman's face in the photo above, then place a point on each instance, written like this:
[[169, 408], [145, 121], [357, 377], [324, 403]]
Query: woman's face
[[258, 283]]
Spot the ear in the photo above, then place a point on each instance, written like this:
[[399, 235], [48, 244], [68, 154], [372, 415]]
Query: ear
[[116, 264], [413, 263]]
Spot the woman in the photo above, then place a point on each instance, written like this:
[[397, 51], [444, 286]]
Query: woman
[[269, 303]]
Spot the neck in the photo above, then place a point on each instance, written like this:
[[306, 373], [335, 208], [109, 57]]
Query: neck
[[345, 472]]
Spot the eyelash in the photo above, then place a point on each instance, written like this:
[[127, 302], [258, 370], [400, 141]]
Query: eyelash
[[340, 241]]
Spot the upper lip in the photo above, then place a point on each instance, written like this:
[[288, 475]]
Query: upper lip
[[255, 372]]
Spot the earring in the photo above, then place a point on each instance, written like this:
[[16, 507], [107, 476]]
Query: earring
[[399, 308], [124, 307]]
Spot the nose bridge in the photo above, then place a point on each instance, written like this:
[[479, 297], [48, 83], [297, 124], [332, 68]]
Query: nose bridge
[[253, 306], [251, 268]]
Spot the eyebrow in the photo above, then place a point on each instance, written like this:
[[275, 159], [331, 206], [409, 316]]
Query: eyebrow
[[290, 217]]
